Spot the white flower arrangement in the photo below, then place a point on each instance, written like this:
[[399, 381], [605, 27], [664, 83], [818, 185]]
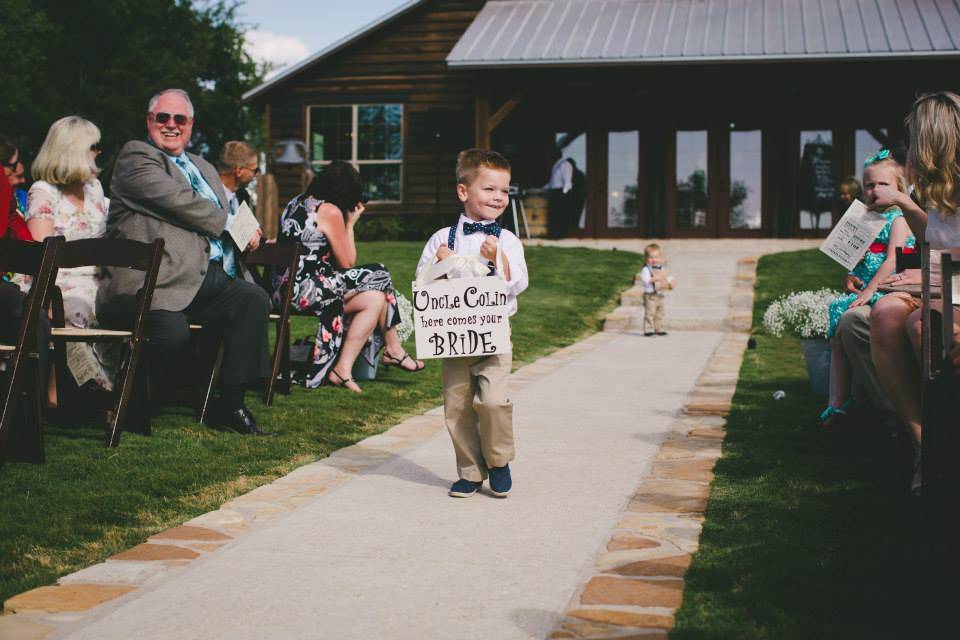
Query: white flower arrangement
[[805, 314], [405, 328]]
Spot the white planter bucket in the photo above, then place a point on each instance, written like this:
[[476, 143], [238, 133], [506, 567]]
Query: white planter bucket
[[816, 351]]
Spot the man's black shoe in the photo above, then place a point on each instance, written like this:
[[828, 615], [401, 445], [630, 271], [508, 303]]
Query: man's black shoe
[[238, 421]]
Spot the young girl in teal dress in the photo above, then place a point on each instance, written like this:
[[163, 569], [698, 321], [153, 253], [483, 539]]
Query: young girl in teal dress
[[875, 267]]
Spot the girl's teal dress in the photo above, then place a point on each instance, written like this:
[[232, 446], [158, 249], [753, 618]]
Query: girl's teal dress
[[865, 270]]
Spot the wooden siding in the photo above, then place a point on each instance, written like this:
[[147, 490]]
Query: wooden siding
[[401, 62]]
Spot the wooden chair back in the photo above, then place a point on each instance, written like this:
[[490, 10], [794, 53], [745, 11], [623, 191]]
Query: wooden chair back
[[939, 391], [114, 253], [21, 420], [277, 258]]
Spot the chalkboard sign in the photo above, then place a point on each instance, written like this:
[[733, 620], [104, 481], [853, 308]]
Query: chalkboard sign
[[818, 188]]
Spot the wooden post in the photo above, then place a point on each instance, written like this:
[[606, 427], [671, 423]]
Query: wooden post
[[482, 122]]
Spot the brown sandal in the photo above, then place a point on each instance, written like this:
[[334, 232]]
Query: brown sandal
[[343, 382], [389, 361]]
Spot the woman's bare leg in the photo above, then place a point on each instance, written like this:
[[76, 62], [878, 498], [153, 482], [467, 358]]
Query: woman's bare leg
[[895, 360], [393, 346], [364, 309], [839, 373]]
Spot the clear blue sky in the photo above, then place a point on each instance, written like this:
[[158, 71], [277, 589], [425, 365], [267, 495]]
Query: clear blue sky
[[285, 31]]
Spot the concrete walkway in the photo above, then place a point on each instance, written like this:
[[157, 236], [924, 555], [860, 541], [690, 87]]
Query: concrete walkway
[[366, 544]]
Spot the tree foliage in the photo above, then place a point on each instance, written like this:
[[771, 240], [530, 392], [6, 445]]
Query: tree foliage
[[103, 61]]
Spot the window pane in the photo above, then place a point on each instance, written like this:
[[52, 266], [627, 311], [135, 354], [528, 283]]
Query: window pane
[[817, 187], [573, 145], [691, 179], [331, 130], [866, 145], [379, 132], [622, 167], [745, 179], [381, 181]]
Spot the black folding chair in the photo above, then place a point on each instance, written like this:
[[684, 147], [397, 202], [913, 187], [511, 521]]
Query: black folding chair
[[21, 420], [113, 253], [276, 259]]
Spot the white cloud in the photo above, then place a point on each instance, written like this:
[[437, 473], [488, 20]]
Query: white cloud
[[277, 49]]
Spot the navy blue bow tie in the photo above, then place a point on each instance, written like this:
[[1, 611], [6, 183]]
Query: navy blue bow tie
[[492, 229]]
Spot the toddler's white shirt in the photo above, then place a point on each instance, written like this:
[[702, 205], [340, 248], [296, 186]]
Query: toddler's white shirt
[[646, 277], [510, 247]]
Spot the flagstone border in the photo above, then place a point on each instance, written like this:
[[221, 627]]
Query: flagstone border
[[80, 597], [636, 583]]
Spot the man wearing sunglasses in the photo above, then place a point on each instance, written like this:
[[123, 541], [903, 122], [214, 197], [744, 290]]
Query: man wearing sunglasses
[[159, 190]]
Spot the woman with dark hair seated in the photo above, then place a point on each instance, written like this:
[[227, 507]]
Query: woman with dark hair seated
[[356, 305]]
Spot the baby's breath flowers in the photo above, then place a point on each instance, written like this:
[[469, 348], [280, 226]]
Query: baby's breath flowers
[[805, 314]]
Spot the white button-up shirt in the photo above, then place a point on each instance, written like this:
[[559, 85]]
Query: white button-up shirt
[[561, 176], [510, 247]]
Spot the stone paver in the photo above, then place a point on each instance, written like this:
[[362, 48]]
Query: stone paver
[[312, 545]]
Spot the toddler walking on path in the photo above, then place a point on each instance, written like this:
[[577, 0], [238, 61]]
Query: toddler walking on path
[[655, 281], [476, 408]]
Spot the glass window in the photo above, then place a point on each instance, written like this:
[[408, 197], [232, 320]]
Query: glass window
[[368, 135], [573, 146], [746, 179], [691, 180], [817, 188], [866, 144], [623, 149], [331, 134]]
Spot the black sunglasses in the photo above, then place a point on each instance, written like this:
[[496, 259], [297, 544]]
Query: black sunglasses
[[13, 163], [178, 118], [96, 148]]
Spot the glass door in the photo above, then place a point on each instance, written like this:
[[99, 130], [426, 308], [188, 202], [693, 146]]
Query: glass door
[[690, 189], [744, 204], [623, 169]]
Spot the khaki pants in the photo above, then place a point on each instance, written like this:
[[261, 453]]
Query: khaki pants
[[652, 312], [478, 413]]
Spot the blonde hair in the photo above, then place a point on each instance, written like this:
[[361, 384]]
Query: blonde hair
[[650, 248], [470, 162], [853, 185], [65, 155], [898, 170], [933, 128]]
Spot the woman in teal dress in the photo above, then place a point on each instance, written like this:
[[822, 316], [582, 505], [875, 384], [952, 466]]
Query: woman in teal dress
[[876, 266]]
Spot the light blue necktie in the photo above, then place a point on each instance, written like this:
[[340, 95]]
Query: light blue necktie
[[220, 248]]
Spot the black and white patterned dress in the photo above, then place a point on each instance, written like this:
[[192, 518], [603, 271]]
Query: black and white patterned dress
[[320, 287]]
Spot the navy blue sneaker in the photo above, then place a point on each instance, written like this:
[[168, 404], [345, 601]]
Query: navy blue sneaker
[[500, 481], [464, 488]]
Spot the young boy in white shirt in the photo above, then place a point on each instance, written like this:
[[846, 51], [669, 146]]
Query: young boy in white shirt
[[655, 281], [476, 408]]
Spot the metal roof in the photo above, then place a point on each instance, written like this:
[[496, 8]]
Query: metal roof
[[603, 32], [332, 49]]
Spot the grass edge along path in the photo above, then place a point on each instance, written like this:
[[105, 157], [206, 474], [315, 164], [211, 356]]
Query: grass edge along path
[[88, 503], [807, 534]]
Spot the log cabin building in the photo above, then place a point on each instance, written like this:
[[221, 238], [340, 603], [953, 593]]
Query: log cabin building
[[689, 118]]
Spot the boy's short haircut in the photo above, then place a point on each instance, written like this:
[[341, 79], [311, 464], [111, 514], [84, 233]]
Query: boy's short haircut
[[647, 250], [853, 186], [470, 161]]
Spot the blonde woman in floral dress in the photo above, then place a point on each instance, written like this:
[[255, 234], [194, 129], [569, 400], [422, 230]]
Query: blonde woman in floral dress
[[67, 200]]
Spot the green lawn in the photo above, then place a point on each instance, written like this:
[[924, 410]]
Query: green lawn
[[807, 534], [87, 502]]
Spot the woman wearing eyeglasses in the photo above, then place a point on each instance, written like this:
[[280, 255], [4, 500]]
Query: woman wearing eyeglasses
[[67, 200]]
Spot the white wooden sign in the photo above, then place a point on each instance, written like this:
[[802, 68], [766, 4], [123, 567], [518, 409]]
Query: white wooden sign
[[853, 234], [461, 317]]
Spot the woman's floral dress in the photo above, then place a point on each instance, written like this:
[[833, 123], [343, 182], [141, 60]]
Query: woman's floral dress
[[320, 287], [97, 362], [866, 269]]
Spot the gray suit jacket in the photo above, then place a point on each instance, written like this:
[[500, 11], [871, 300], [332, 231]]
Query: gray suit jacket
[[150, 198]]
